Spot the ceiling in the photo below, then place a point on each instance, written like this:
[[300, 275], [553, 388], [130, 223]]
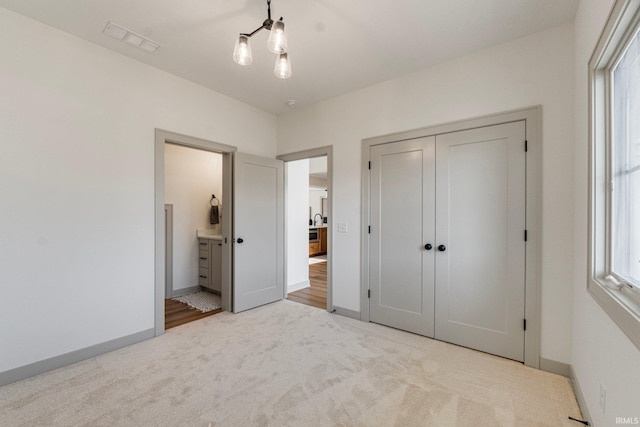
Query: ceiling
[[318, 172], [335, 46]]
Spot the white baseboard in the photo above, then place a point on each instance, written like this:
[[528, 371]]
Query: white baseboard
[[185, 291], [555, 367], [23, 372], [297, 286], [346, 312], [582, 403]]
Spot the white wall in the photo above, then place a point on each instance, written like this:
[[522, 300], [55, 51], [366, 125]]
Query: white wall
[[191, 177], [77, 185], [297, 206], [318, 165], [602, 354], [534, 70]]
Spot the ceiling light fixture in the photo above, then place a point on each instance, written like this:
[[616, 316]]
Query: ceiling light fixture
[[277, 44]]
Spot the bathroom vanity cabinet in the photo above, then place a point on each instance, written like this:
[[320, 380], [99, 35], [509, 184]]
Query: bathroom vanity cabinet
[[210, 263]]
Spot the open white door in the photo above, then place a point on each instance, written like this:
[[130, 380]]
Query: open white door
[[258, 231]]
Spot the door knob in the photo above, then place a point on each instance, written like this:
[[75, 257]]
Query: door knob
[[239, 240], [442, 248], [428, 246]]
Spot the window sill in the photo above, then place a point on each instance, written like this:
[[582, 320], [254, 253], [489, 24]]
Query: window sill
[[621, 305]]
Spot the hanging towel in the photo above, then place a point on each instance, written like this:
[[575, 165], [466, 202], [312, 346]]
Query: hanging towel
[[214, 215]]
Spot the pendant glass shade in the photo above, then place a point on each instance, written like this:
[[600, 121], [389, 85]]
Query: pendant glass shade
[[242, 51], [283, 66], [277, 42]]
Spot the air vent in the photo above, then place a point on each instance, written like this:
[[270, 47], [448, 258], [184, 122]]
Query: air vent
[[134, 39]]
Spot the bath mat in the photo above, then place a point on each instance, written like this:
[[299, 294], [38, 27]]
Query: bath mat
[[203, 301]]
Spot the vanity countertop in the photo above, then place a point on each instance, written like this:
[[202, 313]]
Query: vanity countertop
[[313, 227], [208, 234]]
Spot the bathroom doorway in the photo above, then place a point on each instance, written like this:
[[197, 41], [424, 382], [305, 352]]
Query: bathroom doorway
[[169, 184], [242, 174], [308, 227], [193, 250]]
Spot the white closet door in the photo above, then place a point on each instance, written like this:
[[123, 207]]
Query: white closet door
[[258, 263], [480, 225], [402, 223]]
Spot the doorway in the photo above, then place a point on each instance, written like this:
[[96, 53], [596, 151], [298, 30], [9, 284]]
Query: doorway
[[183, 142], [451, 244], [193, 206], [162, 138], [250, 184], [308, 219]]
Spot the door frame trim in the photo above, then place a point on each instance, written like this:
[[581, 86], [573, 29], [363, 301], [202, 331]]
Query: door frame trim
[[163, 137], [309, 154], [533, 128]]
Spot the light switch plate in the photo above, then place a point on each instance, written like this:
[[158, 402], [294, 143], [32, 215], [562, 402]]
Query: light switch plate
[[342, 227]]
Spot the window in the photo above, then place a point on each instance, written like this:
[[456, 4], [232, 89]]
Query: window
[[626, 166], [614, 216]]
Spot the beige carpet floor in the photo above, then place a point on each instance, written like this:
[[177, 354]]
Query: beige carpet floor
[[287, 364]]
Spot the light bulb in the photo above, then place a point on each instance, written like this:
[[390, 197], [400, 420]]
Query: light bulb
[[242, 51], [277, 42], [283, 66]]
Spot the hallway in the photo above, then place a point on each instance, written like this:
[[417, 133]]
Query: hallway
[[316, 294]]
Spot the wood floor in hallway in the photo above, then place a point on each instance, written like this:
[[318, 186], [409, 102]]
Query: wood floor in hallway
[[316, 294], [177, 313]]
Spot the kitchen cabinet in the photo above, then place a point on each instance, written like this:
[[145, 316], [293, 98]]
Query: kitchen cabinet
[[314, 248], [210, 263], [322, 237], [319, 247]]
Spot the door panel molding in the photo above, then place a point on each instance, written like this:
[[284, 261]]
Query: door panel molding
[[532, 118]]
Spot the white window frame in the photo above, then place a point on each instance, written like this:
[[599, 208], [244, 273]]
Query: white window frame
[[618, 299]]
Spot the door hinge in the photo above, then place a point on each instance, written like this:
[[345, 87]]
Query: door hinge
[[369, 165], [369, 229], [526, 145], [525, 235], [524, 324], [368, 293]]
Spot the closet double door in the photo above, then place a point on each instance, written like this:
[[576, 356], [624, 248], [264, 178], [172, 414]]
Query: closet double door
[[447, 243]]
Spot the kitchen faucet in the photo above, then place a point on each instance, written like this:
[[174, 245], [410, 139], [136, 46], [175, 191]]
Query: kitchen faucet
[[315, 222]]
